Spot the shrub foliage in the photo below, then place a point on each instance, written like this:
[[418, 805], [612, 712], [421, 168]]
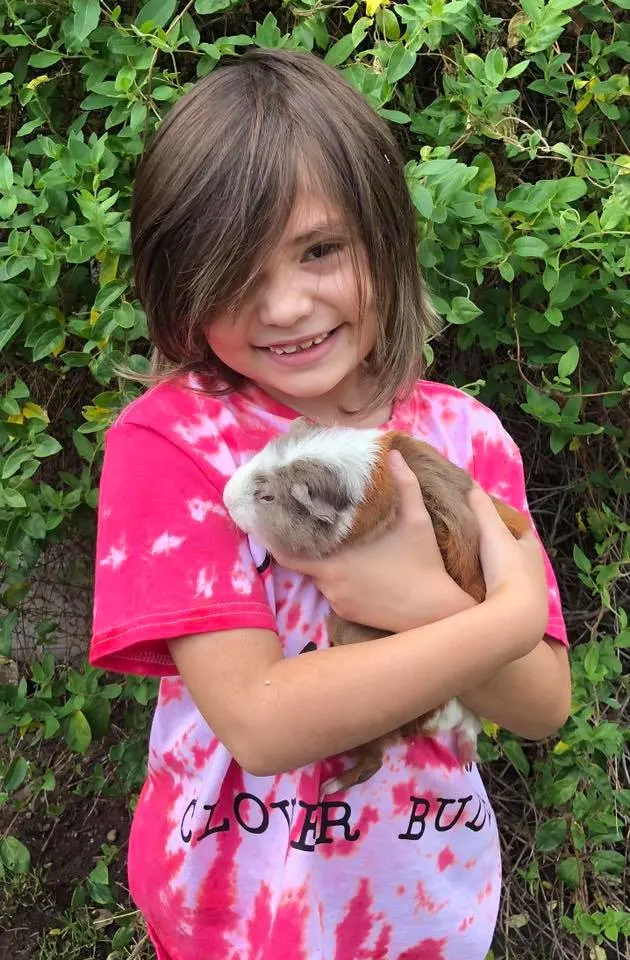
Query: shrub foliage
[[514, 119]]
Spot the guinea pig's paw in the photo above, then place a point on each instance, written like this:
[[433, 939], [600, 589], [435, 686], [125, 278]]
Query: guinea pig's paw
[[466, 748], [333, 785]]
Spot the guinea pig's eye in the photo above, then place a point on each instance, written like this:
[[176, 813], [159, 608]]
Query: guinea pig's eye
[[266, 497]]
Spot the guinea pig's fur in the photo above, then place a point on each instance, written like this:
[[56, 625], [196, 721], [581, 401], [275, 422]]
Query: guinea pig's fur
[[315, 489]]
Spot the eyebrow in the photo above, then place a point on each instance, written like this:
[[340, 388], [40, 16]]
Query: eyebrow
[[323, 230]]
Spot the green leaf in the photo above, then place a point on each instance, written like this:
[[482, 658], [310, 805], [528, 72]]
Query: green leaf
[[13, 462], [109, 293], [581, 560], [569, 361], [422, 199], [35, 526], [551, 834], [530, 247], [98, 713], [486, 178], [12, 498], [394, 116], [609, 861], [45, 58], [10, 331], [400, 63], [517, 69], [46, 446], [591, 661], [211, 6], [77, 732], [28, 127], [14, 855], [507, 271], [515, 753], [550, 277], [8, 206], [16, 774], [340, 51], [6, 174], [571, 871], [83, 445], [46, 343], [159, 12], [462, 311], [570, 188], [563, 789], [554, 315], [495, 67], [86, 16], [15, 39]]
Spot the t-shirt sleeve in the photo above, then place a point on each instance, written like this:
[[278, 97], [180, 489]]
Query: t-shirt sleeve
[[169, 560], [498, 468]]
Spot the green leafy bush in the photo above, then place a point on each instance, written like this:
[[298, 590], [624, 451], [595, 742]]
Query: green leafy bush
[[514, 119]]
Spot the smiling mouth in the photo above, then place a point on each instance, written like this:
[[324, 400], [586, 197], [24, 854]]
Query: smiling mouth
[[299, 347]]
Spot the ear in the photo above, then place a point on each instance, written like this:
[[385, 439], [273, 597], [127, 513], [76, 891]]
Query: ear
[[316, 506]]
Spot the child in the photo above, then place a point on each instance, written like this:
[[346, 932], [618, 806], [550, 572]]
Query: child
[[274, 248]]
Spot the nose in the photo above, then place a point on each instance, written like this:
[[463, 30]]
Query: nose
[[285, 299]]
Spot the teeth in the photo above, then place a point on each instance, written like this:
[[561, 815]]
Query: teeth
[[294, 347]]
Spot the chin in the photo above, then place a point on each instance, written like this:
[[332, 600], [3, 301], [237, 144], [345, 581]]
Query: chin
[[306, 391]]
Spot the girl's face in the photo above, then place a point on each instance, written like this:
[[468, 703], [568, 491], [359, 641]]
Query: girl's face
[[299, 334]]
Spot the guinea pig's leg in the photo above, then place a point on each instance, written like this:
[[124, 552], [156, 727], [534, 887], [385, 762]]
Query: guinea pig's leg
[[342, 632], [454, 716], [466, 738], [369, 759]]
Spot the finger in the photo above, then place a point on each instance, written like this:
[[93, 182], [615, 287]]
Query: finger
[[308, 568], [490, 521], [411, 499], [486, 512]]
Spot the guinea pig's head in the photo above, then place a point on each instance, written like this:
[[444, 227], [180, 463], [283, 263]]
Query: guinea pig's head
[[299, 495]]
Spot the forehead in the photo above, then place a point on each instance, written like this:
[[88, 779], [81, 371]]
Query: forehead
[[312, 213]]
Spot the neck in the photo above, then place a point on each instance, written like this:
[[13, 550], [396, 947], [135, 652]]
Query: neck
[[341, 406]]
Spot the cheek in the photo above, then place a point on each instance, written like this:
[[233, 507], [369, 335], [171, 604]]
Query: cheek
[[226, 338], [239, 503]]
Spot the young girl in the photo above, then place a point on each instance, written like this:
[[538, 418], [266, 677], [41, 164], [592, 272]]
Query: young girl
[[275, 257]]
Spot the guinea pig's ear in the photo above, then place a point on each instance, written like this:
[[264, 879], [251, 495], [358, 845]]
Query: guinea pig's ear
[[316, 506]]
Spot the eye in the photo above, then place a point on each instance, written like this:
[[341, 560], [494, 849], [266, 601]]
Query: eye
[[267, 497], [321, 250]]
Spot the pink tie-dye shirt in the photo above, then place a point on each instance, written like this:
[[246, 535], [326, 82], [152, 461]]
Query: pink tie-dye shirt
[[228, 866]]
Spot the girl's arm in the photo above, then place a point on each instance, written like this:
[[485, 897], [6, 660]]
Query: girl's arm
[[530, 696], [276, 714]]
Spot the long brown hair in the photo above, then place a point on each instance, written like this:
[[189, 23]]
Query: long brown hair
[[216, 187]]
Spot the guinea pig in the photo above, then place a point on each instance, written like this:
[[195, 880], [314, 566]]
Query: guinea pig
[[315, 489]]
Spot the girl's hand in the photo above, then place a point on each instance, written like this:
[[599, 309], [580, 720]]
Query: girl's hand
[[513, 570], [396, 583]]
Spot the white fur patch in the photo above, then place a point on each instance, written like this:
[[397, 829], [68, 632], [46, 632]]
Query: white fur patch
[[454, 716], [354, 452]]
